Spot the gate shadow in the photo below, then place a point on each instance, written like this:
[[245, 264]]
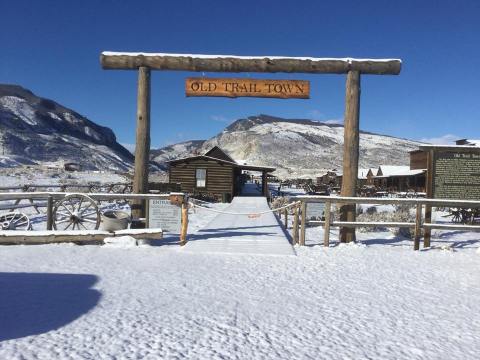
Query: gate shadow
[[35, 303]]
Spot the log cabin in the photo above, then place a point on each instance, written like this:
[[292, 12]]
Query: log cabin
[[214, 174]]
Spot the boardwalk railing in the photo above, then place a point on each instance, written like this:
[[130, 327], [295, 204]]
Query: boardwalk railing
[[421, 222]]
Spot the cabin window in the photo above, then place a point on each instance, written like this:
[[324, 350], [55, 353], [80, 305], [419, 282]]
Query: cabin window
[[201, 178]]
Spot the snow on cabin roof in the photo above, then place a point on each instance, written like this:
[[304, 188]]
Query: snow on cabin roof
[[474, 142], [362, 173], [204, 56], [244, 167], [397, 170]]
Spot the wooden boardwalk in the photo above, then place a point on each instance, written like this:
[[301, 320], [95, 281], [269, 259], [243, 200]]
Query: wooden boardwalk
[[242, 234]]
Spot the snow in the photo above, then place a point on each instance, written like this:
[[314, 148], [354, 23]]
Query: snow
[[258, 233], [20, 107], [377, 299], [120, 241], [350, 301], [203, 56]]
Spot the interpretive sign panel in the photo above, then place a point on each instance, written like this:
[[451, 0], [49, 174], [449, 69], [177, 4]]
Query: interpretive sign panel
[[164, 215], [228, 87], [456, 174]]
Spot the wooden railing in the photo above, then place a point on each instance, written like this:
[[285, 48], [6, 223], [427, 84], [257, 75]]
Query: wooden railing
[[301, 221], [50, 197]]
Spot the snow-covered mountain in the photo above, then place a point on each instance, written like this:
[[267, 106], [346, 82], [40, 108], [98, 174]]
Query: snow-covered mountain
[[34, 130], [171, 152], [295, 147]]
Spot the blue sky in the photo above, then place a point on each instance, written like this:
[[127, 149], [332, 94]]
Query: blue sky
[[53, 48]]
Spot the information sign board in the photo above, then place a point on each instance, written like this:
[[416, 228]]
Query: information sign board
[[164, 215]]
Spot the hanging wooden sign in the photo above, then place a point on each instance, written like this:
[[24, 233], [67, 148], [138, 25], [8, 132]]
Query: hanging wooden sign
[[229, 87]]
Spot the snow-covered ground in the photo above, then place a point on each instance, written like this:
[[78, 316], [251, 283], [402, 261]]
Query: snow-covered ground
[[40, 175], [377, 299]]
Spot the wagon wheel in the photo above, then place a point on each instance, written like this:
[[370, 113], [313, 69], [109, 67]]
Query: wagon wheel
[[76, 212], [15, 221]]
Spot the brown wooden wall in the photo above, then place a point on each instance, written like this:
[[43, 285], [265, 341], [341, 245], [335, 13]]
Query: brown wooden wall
[[418, 160], [219, 176]]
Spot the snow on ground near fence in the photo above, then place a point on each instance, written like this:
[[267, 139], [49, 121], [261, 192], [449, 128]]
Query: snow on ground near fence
[[350, 301], [374, 300]]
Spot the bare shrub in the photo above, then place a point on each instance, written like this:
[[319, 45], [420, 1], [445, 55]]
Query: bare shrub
[[400, 215]]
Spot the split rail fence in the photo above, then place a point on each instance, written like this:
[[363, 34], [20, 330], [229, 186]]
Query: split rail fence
[[49, 198], [422, 222], [116, 188]]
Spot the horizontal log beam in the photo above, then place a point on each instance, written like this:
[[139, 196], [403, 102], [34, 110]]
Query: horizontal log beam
[[47, 237], [236, 64]]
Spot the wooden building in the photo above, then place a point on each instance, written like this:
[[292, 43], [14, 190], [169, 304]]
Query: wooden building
[[364, 177], [214, 174], [399, 179], [418, 159]]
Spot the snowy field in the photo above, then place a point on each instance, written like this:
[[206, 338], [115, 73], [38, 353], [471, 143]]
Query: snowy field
[[40, 176], [377, 299]]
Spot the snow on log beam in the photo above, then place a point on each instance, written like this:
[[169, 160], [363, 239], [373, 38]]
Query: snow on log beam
[[230, 63]]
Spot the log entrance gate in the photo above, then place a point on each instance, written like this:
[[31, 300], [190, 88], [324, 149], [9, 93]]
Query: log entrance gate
[[145, 62]]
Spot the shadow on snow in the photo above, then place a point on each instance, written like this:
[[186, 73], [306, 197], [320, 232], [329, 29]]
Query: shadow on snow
[[35, 303]]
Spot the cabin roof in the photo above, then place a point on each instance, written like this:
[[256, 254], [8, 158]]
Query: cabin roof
[[362, 173], [221, 161], [218, 153], [393, 170]]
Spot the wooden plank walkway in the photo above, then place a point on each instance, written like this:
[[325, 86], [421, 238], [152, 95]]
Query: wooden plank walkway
[[242, 234]]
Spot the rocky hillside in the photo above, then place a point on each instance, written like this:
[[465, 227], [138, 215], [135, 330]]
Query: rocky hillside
[[34, 130], [295, 147], [176, 151]]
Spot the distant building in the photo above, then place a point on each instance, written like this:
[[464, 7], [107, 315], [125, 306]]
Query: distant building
[[71, 166], [215, 174], [468, 142], [399, 178]]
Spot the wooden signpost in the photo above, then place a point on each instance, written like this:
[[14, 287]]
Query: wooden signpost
[[229, 87], [144, 62]]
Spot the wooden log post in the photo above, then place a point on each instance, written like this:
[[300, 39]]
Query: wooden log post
[[326, 229], [350, 152], [418, 228], [142, 146], [285, 212], [295, 226], [303, 223], [183, 231], [264, 184], [263, 64], [49, 213]]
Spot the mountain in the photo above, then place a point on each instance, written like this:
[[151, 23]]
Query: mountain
[[295, 147], [176, 151], [34, 130]]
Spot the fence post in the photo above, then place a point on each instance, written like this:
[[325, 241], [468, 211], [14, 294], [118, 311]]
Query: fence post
[[49, 213], [183, 231], [418, 229], [326, 228], [303, 223], [285, 212], [295, 226]]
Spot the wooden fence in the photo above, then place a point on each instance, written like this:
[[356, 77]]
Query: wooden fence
[[55, 236], [48, 199], [300, 219]]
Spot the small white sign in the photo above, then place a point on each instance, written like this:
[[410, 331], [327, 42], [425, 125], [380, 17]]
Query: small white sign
[[164, 215]]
